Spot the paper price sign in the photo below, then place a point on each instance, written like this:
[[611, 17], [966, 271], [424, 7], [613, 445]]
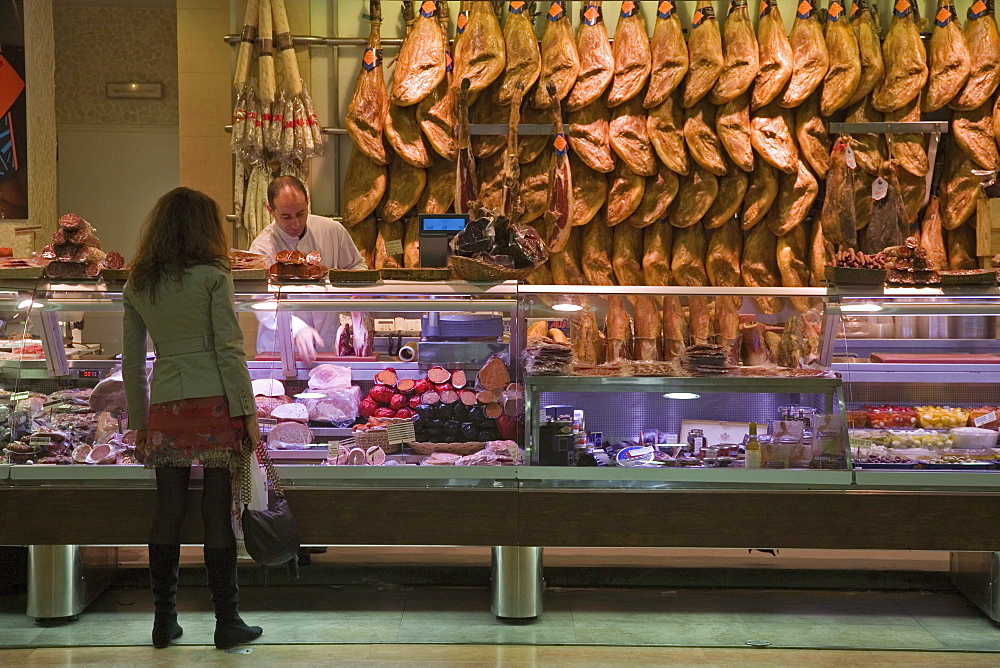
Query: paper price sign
[[880, 188], [980, 420], [852, 161]]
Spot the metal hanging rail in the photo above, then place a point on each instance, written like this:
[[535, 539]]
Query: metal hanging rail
[[312, 40]]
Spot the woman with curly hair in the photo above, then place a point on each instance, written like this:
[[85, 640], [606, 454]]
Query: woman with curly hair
[[199, 405]]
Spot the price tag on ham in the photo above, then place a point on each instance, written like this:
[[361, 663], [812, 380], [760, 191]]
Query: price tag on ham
[[980, 420], [394, 247], [852, 161], [880, 188]]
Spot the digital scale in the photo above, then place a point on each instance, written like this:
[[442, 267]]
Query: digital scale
[[436, 232]]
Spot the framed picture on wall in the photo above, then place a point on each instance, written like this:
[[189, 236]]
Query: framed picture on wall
[[13, 113]]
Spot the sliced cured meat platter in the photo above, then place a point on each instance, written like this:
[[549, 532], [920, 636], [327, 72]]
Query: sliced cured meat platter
[[935, 358]]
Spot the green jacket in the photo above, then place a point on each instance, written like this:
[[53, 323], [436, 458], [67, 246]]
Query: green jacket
[[198, 344]]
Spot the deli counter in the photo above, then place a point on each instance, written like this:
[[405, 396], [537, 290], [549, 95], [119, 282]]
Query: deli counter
[[609, 416]]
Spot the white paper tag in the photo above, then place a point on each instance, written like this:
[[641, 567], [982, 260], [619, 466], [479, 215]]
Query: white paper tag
[[394, 247], [984, 419], [880, 188], [852, 162]]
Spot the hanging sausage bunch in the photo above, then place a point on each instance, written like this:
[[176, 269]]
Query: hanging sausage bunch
[[275, 127], [703, 160]]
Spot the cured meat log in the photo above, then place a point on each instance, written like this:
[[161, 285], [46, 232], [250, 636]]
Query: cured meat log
[[962, 248], [597, 61], [597, 243], [792, 263], [524, 61], [659, 192], [869, 149], [905, 61], [771, 136], [775, 55], [908, 149], [889, 225], [559, 213], [590, 191], [479, 55], [697, 192], [703, 144], [844, 74], [984, 51], [420, 66], [406, 185], [560, 60], [973, 132], [810, 60], [949, 60], [838, 219], [625, 194], [629, 138], [658, 242], [632, 56], [761, 193], [627, 257], [796, 194], [812, 135], [742, 62], [364, 186], [960, 189], [705, 57], [588, 346], [369, 104], [760, 267], [465, 173], [732, 124], [732, 190], [932, 236], [590, 138], [665, 126], [869, 49], [668, 55]]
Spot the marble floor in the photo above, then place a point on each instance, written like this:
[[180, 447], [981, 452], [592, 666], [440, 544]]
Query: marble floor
[[385, 615]]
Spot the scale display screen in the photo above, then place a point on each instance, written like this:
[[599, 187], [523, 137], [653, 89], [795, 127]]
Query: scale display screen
[[443, 224]]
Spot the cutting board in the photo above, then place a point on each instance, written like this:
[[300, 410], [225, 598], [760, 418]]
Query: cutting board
[[935, 358]]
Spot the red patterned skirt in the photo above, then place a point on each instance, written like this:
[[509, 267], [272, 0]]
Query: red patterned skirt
[[188, 431]]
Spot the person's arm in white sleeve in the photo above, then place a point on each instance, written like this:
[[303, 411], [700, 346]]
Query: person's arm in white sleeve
[[264, 245]]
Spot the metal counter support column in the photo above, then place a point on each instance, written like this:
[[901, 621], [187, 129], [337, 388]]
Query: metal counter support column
[[65, 579], [517, 582], [977, 576]]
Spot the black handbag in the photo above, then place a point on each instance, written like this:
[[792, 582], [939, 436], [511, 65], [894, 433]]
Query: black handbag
[[272, 536]]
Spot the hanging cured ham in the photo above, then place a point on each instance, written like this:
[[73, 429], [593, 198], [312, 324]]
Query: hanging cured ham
[[869, 49], [479, 55], [812, 136], [761, 193], [436, 112], [632, 56], [406, 184], [597, 61], [590, 190], [760, 267], [559, 213], [775, 55], [810, 60], [949, 60], [694, 198], [421, 65], [439, 192], [908, 148], [733, 127], [560, 60], [524, 61], [658, 242], [932, 236], [597, 242], [665, 125], [793, 264], [629, 138], [369, 104], [702, 142], [796, 193], [838, 218], [960, 189], [732, 190], [905, 61], [705, 58], [589, 136], [742, 62], [364, 186], [668, 55], [659, 192], [984, 50], [844, 74], [624, 195], [869, 149], [771, 135]]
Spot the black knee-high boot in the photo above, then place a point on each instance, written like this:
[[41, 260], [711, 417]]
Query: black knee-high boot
[[164, 561], [230, 630]]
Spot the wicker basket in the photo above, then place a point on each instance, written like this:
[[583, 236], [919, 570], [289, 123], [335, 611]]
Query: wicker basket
[[471, 269], [468, 448], [396, 432]]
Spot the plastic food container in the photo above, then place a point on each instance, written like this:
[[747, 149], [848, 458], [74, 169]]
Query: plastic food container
[[942, 417], [973, 438], [857, 418]]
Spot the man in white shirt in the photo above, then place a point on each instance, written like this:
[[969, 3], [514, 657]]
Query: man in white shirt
[[294, 228]]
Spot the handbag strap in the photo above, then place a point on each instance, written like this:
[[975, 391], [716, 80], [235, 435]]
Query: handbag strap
[[272, 475], [246, 478]]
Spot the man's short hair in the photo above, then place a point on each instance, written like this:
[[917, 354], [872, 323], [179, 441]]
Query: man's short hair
[[282, 182]]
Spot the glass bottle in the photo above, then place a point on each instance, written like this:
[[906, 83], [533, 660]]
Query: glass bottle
[[753, 448]]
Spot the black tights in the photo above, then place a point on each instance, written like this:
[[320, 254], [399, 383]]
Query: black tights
[[171, 505]]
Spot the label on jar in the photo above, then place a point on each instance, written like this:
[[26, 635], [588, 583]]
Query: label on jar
[[980, 420]]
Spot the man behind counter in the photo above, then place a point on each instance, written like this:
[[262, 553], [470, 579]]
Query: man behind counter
[[294, 228]]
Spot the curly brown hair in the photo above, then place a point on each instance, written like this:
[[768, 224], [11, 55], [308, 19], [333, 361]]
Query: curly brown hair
[[183, 230]]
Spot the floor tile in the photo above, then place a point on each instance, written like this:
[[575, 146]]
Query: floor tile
[[500, 655], [788, 657], [610, 656], [966, 638], [115, 656], [664, 632], [855, 636], [934, 659], [14, 637]]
